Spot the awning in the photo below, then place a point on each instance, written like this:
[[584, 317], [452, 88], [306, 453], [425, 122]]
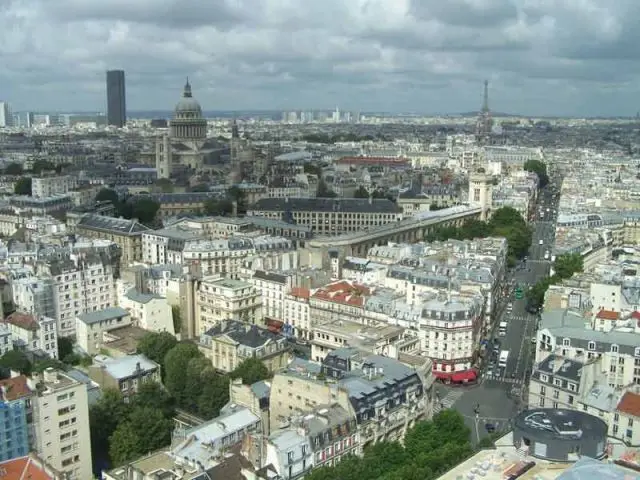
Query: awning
[[443, 375], [464, 376]]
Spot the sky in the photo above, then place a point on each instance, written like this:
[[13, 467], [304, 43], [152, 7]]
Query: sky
[[541, 57]]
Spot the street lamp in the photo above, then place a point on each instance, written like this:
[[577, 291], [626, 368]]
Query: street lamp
[[477, 428]]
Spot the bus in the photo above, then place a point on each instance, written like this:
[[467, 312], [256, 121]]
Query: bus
[[504, 356]]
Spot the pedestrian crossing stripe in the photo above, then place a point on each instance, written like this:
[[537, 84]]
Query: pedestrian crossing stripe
[[448, 400]]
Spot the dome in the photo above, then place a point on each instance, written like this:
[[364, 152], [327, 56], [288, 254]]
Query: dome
[[188, 106]]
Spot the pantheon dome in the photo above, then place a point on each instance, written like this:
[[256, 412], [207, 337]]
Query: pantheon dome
[[188, 122]]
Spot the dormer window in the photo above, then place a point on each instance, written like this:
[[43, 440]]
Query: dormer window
[[636, 352], [591, 345], [566, 342], [614, 348]]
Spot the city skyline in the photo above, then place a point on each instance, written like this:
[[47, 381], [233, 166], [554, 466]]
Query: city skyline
[[393, 56]]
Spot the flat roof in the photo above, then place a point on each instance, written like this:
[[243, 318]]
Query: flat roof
[[561, 424]]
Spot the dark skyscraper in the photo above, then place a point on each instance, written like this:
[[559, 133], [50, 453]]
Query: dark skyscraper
[[116, 98]]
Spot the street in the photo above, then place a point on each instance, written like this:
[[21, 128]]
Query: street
[[498, 397]]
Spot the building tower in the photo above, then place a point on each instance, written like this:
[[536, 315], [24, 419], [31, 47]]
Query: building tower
[[484, 123], [188, 122], [116, 99], [6, 117], [481, 192]]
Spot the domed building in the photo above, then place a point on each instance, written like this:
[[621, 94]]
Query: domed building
[[183, 150]]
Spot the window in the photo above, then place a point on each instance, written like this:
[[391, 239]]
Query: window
[[614, 348], [566, 342], [636, 352], [543, 390], [591, 345]]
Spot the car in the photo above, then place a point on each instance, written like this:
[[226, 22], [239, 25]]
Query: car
[[534, 340], [541, 242], [489, 427]]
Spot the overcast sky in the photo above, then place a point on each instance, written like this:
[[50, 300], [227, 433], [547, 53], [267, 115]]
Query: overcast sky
[[542, 57]]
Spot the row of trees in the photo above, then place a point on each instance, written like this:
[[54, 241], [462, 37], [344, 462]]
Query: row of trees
[[362, 192], [144, 209], [190, 384], [505, 222], [564, 267], [343, 137], [540, 169], [430, 449]]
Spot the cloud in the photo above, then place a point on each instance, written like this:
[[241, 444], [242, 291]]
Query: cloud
[[541, 56]]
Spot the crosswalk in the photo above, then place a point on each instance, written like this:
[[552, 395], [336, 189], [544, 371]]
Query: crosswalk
[[449, 400]]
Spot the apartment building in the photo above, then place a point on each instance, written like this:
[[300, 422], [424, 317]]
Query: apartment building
[[297, 312], [61, 421], [567, 333], [226, 299], [127, 234], [149, 311], [91, 327], [6, 342], [33, 334], [125, 374], [329, 216], [229, 343], [421, 198], [273, 287], [341, 300], [384, 396], [29, 467], [165, 246], [80, 282], [48, 186], [15, 401]]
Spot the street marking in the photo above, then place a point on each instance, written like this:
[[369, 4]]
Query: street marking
[[449, 400]]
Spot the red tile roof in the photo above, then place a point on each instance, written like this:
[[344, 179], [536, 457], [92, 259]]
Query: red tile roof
[[23, 320], [23, 468], [635, 315], [14, 388], [607, 315], [343, 292], [300, 292], [630, 404]]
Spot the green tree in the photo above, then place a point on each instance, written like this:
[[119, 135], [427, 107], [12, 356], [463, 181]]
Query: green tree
[[236, 194], [214, 394], [23, 186], [156, 345], [108, 195], [40, 166], [324, 191], [104, 418], [165, 185], [567, 264], [153, 395], [13, 169], [312, 169], [506, 217], [176, 378], [151, 427], [540, 169], [17, 361], [41, 365], [145, 210], [251, 370], [361, 192], [177, 318], [124, 444], [65, 347], [218, 207]]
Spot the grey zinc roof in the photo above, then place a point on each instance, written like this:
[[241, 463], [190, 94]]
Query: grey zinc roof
[[566, 323], [261, 389], [117, 226], [125, 367], [270, 276], [101, 315], [140, 297], [348, 205], [590, 469]]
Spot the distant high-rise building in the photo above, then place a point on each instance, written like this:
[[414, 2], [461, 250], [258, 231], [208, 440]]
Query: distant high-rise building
[[6, 117], [484, 123], [116, 99]]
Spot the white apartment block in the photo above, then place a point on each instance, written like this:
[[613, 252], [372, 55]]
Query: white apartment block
[[31, 333], [61, 422], [149, 311], [92, 326], [5, 339], [567, 334], [297, 312], [221, 299], [42, 187], [273, 287]]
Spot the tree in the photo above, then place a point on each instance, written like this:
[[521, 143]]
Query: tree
[[312, 169], [13, 169], [108, 195], [540, 169], [104, 417], [568, 264], [23, 186], [176, 364], [155, 346], [506, 217], [214, 394], [65, 347], [361, 192], [151, 427], [236, 194], [177, 318], [17, 361], [218, 207], [41, 365], [323, 190], [40, 166], [124, 444], [251, 370], [165, 185], [145, 210], [153, 395]]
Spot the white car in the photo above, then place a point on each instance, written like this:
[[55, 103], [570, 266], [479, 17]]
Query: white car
[[540, 242]]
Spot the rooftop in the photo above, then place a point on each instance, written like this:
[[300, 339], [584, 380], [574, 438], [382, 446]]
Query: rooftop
[[102, 315], [116, 226], [561, 424], [630, 404], [14, 388], [125, 367]]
